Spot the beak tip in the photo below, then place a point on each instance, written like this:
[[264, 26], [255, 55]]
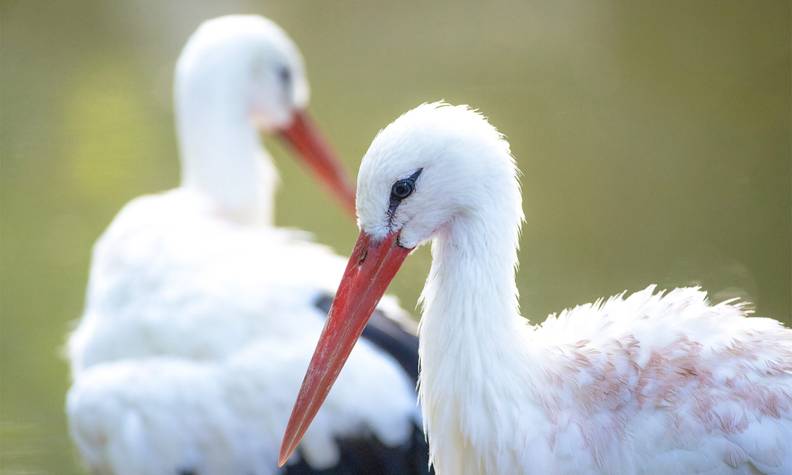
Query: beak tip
[[284, 455], [289, 444]]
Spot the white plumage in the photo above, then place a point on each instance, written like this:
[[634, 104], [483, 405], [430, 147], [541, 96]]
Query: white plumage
[[650, 383], [200, 314], [176, 415], [169, 276]]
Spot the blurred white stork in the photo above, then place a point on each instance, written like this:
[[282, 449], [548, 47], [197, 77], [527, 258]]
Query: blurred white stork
[[651, 383], [201, 315]]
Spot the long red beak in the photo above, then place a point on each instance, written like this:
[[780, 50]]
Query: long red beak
[[304, 137], [371, 268]]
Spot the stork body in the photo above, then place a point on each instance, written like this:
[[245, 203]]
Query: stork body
[[200, 313], [650, 383], [172, 415]]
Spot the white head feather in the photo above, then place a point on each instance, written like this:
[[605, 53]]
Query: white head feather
[[461, 158], [249, 63]]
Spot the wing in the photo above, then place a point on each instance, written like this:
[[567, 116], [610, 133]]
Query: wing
[[153, 417], [668, 383], [169, 415]]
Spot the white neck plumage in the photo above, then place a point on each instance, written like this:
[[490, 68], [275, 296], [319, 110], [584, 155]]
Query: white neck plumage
[[221, 152], [472, 339]]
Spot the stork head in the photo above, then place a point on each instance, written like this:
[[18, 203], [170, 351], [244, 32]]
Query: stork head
[[433, 164], [247, 69], [431, 167]]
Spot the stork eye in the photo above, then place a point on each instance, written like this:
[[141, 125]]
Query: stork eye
[[284, 74], [402, 189]]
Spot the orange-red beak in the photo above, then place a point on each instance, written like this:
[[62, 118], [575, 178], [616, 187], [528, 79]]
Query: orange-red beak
[[371, 268], [304, 137]]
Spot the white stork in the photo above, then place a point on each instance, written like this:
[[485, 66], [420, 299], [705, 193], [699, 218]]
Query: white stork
[[650, 383], [198, 308]]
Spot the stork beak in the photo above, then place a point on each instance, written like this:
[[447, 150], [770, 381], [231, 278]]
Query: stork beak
[[371, 268], [304, 137]]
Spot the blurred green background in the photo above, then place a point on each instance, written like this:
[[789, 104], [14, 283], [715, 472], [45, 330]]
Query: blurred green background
[[653, 137]]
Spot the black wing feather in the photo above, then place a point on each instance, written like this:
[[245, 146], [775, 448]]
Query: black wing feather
[[368, 456]]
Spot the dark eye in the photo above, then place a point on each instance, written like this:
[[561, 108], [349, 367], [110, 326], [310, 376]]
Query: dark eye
[[284, 74], [402, 189]]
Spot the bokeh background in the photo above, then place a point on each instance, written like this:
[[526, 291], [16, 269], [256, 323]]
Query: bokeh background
[[653, 137]]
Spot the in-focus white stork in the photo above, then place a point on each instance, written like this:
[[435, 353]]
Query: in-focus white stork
[[198, 308], [650, 383]]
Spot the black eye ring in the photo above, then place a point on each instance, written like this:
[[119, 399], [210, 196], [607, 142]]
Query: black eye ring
[[402, 189]]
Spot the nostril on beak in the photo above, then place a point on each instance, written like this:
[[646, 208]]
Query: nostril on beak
[[362, 258]]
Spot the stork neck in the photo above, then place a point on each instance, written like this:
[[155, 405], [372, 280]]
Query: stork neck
[[470, 299], [221, 154], [474, 364]]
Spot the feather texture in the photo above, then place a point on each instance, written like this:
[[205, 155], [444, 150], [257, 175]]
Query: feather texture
[[647, 383]]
